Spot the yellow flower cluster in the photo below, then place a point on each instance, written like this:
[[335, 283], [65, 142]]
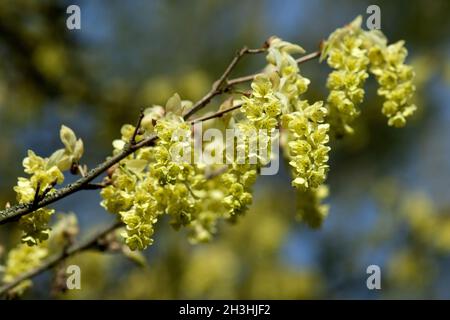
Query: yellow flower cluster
[[210, 208], [45, 173], [427, 223], [346, 83], [289, 84], [308, 151], [131, 196], [177, 176], [263, 106], [131, 193], [308, 132], [256, 133], [396, 82], [351, 51], [155, 180], [239, 180]]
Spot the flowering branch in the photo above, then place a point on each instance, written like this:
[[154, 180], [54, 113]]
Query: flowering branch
[[149, 185], [15, 212]]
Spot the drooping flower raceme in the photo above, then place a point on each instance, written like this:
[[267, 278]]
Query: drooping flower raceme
[[131, 197], [308, 151], [396, 82], [255, 135], [175, 170], [349, 58], [210, 208], [131, 193], [239, 180], [308, 132], [155, 180], [352, 51], [263, 106], [35, 225]]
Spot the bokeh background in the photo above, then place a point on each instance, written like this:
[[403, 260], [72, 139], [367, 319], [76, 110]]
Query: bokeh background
[[389, 188]]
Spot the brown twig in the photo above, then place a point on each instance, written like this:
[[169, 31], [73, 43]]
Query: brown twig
[[137, 128], [36, 195], [250, 77], [218, 86], [47, 190], [217, 114], [94, 186]]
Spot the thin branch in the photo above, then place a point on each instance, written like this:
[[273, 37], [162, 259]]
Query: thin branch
[[36, 195], [94, 186], [218, 88], [217, 114], [137, 128], [81, 170], [54, 260], [250, 77], [48, 189], [308, 57]]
